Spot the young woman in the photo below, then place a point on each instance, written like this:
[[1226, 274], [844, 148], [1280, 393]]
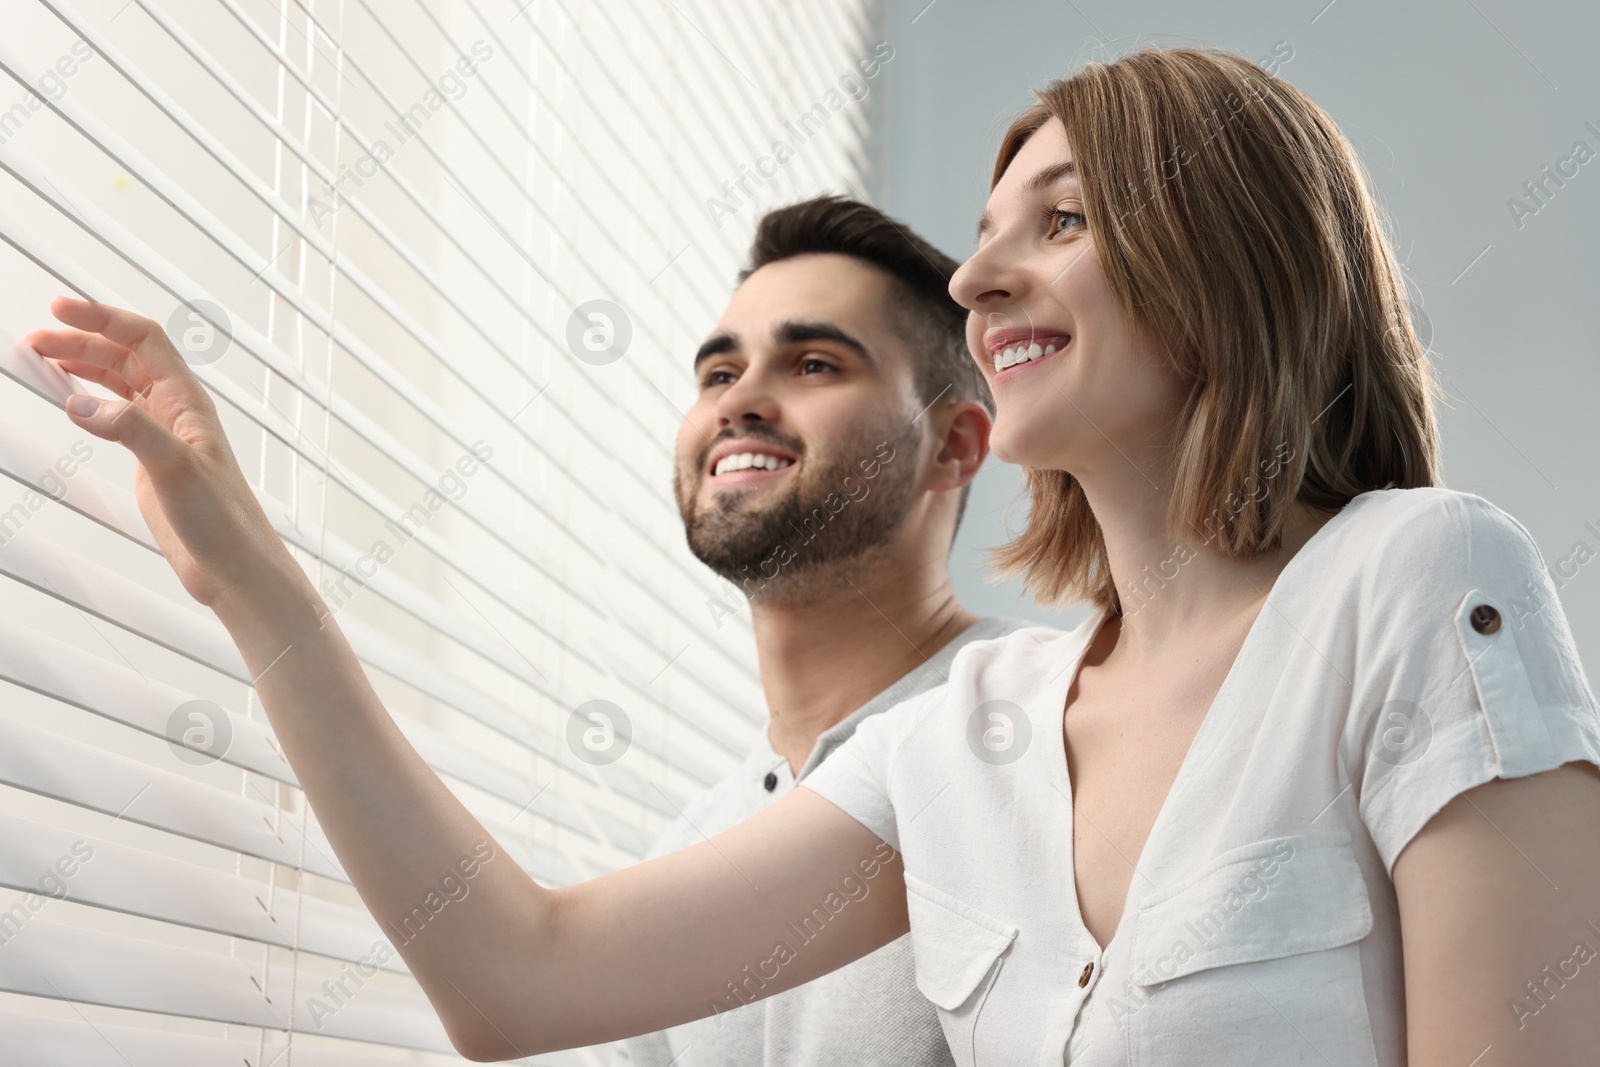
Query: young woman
[[1316, 782]]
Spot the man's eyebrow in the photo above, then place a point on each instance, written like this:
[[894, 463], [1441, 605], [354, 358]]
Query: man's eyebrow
[[1052, 174], [798, 333], [716, 346]]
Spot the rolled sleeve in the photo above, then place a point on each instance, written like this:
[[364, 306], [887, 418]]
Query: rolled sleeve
[[1470, 672]]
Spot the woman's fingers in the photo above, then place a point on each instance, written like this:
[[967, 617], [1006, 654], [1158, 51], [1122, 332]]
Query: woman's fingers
[[143, 338], [157, 449], [195, 499], [90, 372], [75, 346], [130, 347]]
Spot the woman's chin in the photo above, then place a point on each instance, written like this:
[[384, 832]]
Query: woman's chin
[[1021, 449]]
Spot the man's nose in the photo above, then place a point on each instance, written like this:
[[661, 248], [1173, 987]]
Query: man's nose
[[750, 399]]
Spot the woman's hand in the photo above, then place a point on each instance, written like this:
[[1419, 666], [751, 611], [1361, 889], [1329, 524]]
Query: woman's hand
[[193, 495]]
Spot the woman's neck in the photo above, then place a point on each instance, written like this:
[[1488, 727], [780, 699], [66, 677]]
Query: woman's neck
[[1171, 583]]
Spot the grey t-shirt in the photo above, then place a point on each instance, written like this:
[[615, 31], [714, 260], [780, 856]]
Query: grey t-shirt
[[866, 1013]]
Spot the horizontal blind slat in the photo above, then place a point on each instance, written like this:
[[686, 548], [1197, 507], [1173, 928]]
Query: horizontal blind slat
[[83, 583], [51, 959], [63, 672], [140, 882], [39, 663], [84, 680], [115, 508], [44, 762], [31, 1041], [28, 557]]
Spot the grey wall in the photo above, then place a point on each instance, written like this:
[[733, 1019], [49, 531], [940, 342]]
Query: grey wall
[[1453, 106]]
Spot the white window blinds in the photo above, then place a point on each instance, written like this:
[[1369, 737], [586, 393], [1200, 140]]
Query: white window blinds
[[443, 266]]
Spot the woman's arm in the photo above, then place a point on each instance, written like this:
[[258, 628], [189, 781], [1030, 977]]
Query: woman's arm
[[1500, 925], [512, 968]]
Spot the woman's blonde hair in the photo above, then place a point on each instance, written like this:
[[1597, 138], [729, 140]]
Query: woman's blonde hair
[[1233, 223]]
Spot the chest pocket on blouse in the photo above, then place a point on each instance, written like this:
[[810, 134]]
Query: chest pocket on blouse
[[1254, 960], [957, 951]]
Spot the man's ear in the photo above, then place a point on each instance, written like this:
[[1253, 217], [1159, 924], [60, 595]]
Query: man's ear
[[965, 426]]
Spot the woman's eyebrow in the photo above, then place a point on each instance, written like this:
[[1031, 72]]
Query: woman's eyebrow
[[1050, 175], [1056, 172]]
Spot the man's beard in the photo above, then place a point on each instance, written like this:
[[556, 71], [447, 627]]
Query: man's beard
[[792, 541]]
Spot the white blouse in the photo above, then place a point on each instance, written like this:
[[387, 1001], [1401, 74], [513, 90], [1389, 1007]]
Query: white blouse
[[1412, 649]]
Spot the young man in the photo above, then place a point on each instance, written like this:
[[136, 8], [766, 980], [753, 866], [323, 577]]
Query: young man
[[823, 470]]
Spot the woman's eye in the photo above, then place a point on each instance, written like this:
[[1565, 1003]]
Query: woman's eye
[[1057, 217]]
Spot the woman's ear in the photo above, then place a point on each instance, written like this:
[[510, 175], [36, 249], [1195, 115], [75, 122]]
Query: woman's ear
[[965, 426]]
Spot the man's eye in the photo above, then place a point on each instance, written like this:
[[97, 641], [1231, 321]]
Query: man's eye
[[718, 377], [812, 366]]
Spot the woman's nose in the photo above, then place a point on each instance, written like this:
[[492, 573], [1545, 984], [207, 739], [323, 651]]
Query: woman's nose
[[983, 280]]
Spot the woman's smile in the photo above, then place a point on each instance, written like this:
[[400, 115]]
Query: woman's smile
[[1011, 350]]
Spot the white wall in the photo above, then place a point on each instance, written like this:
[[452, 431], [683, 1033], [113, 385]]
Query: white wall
[[1453, 107]]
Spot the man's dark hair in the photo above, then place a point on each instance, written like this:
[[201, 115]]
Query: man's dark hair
[[921, 309]]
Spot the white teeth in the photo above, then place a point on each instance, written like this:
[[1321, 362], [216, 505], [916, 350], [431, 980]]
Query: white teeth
[[1010, 357], [751, 460]]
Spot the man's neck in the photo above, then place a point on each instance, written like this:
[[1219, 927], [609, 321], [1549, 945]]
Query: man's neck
[[824, 656]]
